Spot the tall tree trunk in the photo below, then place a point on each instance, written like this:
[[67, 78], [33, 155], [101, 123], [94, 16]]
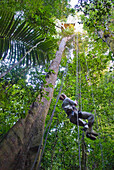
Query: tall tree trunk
[[18, 148]]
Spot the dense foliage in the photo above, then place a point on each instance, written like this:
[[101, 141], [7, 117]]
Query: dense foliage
[[27, 43], [98, 19], [95, 89], [32, 22]]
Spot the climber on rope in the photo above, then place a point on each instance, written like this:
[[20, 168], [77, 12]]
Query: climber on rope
[[69, 106]]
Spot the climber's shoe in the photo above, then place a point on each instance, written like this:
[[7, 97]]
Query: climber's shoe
[[92, 137], [90, 131], [94, 133]]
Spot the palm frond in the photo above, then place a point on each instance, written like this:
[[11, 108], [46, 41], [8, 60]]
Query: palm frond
[[16, 38]]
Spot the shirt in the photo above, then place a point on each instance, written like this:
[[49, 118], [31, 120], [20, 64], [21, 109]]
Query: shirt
[[68, 105]]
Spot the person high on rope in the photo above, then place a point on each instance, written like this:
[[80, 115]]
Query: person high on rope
[[69, 106]]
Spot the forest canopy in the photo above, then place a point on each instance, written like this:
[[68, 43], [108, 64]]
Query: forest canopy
[[29, 41]]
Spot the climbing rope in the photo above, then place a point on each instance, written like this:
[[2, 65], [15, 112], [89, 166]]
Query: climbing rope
[[83, 163], [95, 112], [80, 96], [77, 98], [48, 124]]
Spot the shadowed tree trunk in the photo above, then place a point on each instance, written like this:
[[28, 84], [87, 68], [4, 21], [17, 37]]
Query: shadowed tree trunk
[[19, 146]]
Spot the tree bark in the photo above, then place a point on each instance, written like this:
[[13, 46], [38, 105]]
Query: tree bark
[[19, 147]]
